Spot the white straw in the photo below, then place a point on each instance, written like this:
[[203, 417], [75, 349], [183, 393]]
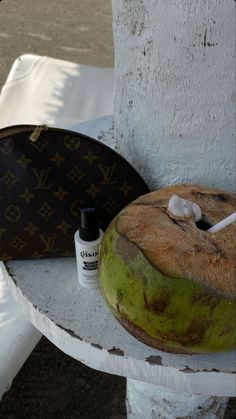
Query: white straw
[[223, 223]]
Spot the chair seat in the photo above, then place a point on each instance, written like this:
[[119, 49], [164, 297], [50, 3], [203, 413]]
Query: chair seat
[[43, 90]]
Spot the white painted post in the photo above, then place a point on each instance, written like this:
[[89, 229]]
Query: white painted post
[[174, 89], [175, 122], [147, 401]]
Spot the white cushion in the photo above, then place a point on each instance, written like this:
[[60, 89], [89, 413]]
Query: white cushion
[[43, 90], [18, 336]]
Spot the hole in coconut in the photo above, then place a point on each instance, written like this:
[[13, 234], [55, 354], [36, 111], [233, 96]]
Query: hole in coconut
[[204, 224]]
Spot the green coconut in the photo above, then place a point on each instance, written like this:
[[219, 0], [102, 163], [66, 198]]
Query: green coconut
[[168, 281]]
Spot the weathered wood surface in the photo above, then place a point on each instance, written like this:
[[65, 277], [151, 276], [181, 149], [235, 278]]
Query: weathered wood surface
[[78, 322], [175, 89]]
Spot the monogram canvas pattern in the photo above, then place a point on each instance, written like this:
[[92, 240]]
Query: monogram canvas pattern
[[43, 185]]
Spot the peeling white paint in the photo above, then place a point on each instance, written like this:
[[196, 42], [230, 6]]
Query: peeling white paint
[[155, 402]]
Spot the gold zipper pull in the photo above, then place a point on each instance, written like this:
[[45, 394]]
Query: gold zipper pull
[[37, 132]]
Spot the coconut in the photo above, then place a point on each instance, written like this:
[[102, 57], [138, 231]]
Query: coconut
[[168, 281]]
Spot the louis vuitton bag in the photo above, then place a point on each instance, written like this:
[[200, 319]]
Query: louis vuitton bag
[[46, 176]]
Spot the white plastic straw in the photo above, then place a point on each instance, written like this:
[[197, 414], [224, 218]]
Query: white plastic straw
[[223, 223]]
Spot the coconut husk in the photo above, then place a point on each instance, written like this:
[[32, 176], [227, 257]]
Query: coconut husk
[[182, 248]]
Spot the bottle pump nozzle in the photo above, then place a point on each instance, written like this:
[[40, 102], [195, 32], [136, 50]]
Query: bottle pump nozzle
[[88, 229]]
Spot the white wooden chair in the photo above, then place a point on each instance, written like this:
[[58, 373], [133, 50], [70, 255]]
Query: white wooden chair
[[59, 93]]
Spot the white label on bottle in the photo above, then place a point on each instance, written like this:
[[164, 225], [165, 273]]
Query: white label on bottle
[[89, 261], [87, 264]]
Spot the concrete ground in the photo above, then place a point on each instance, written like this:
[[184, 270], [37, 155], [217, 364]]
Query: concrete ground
[[51, 385]]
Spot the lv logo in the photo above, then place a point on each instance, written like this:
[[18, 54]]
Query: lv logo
[[108, 173], [42, 178], [49, 243]]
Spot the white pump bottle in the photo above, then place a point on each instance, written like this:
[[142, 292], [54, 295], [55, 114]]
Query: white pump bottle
[[87, 241]]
